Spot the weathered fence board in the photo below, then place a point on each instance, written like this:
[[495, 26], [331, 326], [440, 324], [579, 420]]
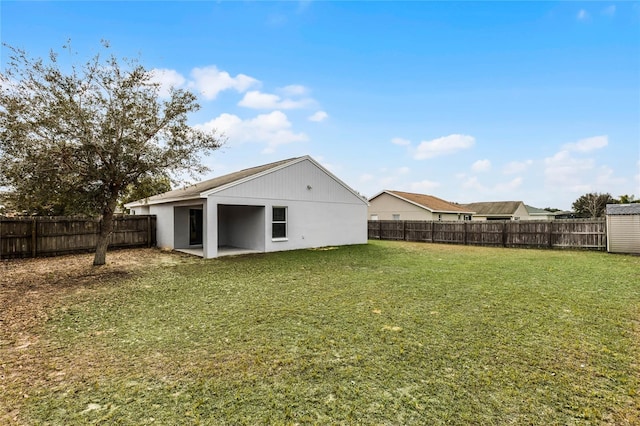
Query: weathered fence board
[[51, 236], [566, 233]]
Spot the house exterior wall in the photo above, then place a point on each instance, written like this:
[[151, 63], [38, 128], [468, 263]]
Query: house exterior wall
[[385, 206], [181, 227], [309, 223], [291, 183], [623, 233], [522, 213], [164, 225], [320, 210], [172, 223]]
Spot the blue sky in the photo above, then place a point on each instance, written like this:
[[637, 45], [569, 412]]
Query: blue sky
[[467, 101]]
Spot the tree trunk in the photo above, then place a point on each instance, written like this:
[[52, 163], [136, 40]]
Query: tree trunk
[[106, 229]]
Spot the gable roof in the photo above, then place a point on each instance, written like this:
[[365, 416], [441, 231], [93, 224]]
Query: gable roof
[[494, 207], [207, 187], [428, 202]]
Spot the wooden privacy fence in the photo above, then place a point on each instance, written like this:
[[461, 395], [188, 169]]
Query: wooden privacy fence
[[52, 236], [567, 233]]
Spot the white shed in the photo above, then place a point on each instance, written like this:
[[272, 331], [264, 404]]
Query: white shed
[[623, 228], [286, 205]]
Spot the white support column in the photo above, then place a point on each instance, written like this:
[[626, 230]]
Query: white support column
[[210, 229]]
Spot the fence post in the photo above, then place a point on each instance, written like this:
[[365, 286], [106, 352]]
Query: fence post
[[504, 233], [404, 230], [464, 228], [148, 231], [34, 238], [550, 236]]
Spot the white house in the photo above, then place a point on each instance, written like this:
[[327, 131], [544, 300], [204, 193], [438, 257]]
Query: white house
[[286, 205], [398, 205]]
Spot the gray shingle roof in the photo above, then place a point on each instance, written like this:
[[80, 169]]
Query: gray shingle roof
[[494, 207], [623, 209]]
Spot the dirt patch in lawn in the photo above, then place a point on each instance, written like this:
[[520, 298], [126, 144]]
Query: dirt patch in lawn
[[30, 289]]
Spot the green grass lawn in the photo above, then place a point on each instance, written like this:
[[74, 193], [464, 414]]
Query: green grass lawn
[[388, 333]]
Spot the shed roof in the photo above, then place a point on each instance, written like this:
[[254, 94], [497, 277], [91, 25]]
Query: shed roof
[[623, 209], [428, 202], [494, 207]]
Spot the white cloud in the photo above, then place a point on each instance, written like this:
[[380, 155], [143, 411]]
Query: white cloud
[[166, 79], [404, 170], [210, 81], [258, 100], [609, 11], [567, 170], [582, 15], [424, 186], [318, 116], [604, 178], [588, 144], [273, 129], [293, 90], [514, 167], [443, 146], [509, 186], [400, 141], [564, 171], [481, 166]]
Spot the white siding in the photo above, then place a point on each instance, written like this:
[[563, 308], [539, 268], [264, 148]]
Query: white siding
[[309, 223], [172, 223], [292, 183], [623, 234], [164, 224]]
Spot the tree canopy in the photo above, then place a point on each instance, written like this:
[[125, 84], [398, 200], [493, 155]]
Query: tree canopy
[[75, 139], [593, 204]]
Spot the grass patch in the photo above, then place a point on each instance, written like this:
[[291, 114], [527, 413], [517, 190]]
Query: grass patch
[[386, 333]]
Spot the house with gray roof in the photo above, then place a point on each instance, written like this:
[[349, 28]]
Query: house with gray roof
[[499, 210], [290, 204]]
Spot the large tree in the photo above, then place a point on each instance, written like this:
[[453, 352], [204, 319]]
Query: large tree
[[593, 204], [80, 135]]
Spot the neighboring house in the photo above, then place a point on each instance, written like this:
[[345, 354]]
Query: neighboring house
[[286, 205], [541, 214], [623, 228], [499, 210], [397, 205]]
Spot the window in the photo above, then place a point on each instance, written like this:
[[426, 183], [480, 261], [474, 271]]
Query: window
[[279, 223], [439, 217], [396, 217]]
